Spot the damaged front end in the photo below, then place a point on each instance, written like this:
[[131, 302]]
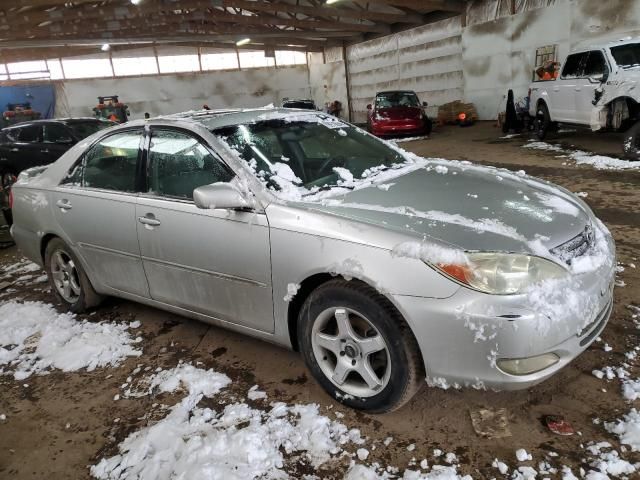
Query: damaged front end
[[615, 104]]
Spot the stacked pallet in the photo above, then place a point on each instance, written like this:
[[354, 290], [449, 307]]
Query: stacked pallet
[[448, 113]]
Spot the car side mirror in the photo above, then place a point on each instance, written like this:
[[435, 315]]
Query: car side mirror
[[64, 141], [219, 195], [596, 78], [369, 107], [425, 104]]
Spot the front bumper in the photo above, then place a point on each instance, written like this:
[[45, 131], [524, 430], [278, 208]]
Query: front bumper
[[395, 127], [463, 337]]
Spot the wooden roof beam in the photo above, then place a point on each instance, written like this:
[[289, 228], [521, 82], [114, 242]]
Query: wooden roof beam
[[421, 5]]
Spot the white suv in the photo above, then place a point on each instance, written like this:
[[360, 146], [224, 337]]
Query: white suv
[[597, 87]]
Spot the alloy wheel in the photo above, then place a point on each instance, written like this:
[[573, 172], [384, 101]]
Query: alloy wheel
[[351, 352], [65, 276]]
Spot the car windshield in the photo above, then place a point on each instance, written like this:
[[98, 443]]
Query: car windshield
[[397, 99], [627, 56], [317, 154], [84, 129]]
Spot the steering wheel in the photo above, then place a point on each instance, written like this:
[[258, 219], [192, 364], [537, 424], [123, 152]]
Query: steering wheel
[[338, 161]]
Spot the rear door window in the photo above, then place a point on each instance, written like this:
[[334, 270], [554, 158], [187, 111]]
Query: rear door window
[[573, 67], [179, 163], [30, 134], [110, 164], [595, 64], [84, 129], [56, 133]]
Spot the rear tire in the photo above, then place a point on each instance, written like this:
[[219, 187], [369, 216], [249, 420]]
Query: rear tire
[[631, 142], [373, 363], [542, 124], [68, 279], [428, 126]]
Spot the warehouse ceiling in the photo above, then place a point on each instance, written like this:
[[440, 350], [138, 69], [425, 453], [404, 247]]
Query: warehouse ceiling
[[37, 29]]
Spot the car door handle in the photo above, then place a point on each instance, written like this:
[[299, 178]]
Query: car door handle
[[64, 205], [15, 149], [151, 221], [46, 150]]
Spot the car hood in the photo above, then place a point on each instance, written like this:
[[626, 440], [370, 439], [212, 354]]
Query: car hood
[[398, 113], [470, 207]]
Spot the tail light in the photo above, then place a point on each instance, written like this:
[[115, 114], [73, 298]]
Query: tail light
[[529, 93], [11, 198]]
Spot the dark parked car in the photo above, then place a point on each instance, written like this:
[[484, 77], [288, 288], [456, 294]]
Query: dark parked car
[[36, 143], [302, 103], [398, 112]]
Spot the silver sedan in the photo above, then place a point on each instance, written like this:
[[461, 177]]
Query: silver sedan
[[382, 268]]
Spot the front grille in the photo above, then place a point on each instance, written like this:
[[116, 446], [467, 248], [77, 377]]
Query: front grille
[[576, 246]]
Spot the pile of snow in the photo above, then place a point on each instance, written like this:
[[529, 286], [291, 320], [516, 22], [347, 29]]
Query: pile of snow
[[600, 162], [627, 429], [543, 146], [438, 472], [20, 268], [408, 139], [238, 442], [35, 338], [522, 455]]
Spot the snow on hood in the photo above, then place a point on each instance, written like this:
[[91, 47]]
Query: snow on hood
[[470, 207]]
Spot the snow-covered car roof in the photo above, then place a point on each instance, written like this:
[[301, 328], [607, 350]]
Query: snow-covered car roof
[[214, 119]]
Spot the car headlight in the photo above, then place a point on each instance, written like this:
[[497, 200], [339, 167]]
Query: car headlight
[[502, 273]]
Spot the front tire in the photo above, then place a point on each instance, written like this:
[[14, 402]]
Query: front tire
[[8, 216], [631, 142], [7, 179], [68, 279], [358, 347]]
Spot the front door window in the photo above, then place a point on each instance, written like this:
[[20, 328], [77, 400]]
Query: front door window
[[179, 163]]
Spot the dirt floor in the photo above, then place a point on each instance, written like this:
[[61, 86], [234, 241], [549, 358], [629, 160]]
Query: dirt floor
[[59, 424]]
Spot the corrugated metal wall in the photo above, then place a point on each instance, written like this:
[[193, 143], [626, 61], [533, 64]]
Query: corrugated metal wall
[[426, 59]]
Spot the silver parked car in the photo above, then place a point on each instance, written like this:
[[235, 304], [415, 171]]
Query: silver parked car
[[383, 269]]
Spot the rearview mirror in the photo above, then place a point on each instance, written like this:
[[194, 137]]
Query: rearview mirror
[[425, 104], [369, 106], [219, 195]]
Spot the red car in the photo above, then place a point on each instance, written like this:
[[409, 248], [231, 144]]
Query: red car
[[398, 112]]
